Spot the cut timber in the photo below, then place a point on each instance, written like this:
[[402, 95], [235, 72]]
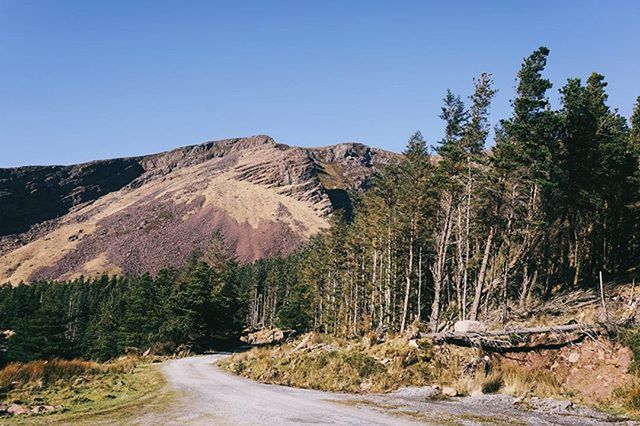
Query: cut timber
[[515, 339]]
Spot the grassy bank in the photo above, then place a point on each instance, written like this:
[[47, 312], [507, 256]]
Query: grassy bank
[[83, 392], [594, 373]]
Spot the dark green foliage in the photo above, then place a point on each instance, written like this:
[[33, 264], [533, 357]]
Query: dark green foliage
[[103, 317], [456, 117], [296, 310], [477, 129], [634, 134]]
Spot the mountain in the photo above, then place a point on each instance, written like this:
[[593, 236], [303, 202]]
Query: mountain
[[140, 214]]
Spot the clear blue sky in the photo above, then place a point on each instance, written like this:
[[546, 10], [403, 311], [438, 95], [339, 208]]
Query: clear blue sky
[[82, 80]]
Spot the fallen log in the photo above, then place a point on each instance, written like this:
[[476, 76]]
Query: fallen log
[[516, 339], [518, 331]]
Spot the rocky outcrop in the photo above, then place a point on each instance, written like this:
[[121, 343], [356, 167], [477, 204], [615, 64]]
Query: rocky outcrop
[[30, 195], [141, 214]]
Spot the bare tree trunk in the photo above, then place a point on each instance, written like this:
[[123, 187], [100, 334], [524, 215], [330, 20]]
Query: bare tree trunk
[[505, 294], [465, 280], [419, 313], [438, 269], [407, 290], [459, 262], [477, 297]]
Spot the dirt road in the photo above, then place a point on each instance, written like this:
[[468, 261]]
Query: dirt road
[[207, 395]]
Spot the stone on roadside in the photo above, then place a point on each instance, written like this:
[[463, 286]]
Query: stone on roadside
[[16, 410], [449, 391], [43, 409]]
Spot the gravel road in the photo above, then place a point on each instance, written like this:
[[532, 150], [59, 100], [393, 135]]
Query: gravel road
[[206, 395]]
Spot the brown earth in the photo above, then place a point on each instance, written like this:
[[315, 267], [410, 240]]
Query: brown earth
[[593, 369], [265, 198]]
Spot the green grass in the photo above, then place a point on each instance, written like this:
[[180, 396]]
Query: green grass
[[108, 397]]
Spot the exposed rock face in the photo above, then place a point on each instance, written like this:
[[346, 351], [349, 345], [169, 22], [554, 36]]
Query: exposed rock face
[[141, 214], [29, 195]]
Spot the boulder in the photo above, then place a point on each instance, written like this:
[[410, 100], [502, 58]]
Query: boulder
[[573, 357], [43, 409], [16, 410], [469, 326], [448, 391], [305, 343]]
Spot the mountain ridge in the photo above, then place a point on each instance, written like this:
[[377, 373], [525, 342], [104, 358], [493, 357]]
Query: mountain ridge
[[121, 215]]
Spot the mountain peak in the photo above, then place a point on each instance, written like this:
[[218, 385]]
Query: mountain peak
[[139, 214]]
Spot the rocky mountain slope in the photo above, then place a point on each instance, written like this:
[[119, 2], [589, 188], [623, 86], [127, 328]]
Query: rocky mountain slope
[[140, 214]]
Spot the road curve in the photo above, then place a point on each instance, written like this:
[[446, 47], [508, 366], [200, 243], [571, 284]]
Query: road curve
[[209, 396]]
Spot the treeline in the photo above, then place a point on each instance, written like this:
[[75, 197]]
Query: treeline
[[199, 305], [473, 232], [467, 233]]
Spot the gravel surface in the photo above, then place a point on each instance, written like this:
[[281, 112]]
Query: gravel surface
[[208, 395]]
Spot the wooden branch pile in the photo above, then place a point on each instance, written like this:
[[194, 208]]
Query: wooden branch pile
[[519, 339]]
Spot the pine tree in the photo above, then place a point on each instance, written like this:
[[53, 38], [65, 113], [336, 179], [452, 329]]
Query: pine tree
[[634, 135], [455, 117], [477, 129]]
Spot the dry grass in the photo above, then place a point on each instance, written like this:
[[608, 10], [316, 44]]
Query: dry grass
[[85, 392], [339, 365], [41, 373], [19, 264], [349, 366], [524, 381]]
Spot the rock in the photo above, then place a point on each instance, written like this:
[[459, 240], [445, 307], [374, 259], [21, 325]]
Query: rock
[[413, 393], [147, 352], [550, 405], [304, 344], [43, 409], [469, 326], [448, 391], [476, 393], [179, 224], [366, 386], [277, 336], [262, 337], [17, 410], [573, 357], [413, 343]]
